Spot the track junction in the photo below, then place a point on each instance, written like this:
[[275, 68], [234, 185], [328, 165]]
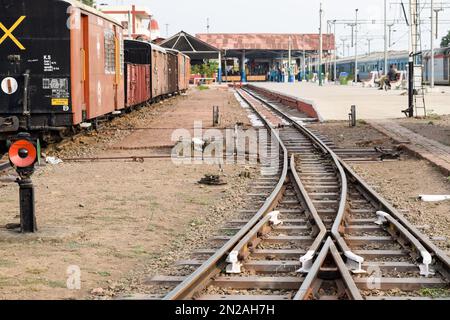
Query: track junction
[[319, 232]]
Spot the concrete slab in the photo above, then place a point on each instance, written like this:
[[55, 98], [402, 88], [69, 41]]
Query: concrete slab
[[333, 102]]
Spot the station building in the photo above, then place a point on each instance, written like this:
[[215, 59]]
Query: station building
[[255, 56], [261, 56]]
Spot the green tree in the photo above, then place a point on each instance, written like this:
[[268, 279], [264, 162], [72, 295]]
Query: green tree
[[445, 40], [88, 2], [206, 69]]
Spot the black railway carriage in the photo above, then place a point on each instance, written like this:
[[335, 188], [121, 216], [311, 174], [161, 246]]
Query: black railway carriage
[[60, 66], [138, 66], [63, 65], [32, 65]]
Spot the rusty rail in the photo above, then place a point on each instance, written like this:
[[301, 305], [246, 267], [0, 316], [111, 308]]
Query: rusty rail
[[4, 166], [324, 255], [329, 249], [307, 259], [341, 175], [414, 233], [216, 263], [420, 244]]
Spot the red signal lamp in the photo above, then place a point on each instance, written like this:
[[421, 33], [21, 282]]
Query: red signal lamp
[[22, 153]]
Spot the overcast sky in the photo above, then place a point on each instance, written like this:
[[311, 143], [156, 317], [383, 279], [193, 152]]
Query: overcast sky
[[286, 16]]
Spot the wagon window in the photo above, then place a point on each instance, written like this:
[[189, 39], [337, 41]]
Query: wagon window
[[110, 50]]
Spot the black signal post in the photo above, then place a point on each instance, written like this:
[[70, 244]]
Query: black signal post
[[27, 208], [410, 111], [23, 156]]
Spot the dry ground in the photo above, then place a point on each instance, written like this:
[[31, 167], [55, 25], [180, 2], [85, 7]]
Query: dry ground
[[118, 221], [399, 182], [434, 127], [343, 136]]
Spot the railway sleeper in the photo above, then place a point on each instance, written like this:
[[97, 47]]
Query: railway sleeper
[[404, 284]]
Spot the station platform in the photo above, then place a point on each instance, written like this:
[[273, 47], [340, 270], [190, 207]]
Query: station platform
[[333, 102]]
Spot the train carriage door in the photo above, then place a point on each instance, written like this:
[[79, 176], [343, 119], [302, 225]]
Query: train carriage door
[[85, 64], [117, 66], [155, 74]]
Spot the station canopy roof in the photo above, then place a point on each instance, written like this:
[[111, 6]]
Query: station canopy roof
[[195, 48], [264, 45]]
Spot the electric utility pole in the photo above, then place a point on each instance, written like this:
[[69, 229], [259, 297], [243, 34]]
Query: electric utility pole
[[356, 47], [385, 38], [368, 43], [335, 52], [320, 47], [343, 46]]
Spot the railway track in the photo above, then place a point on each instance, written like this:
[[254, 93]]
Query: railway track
[[320, 232], [4, 166]]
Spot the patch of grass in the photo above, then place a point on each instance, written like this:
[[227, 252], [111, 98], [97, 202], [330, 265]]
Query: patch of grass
[[120, 255], [104, 273], [139, 250], [6, 199], [33, 281], [36, 270], [197, 201], [432, 115], [154, 204], [196, 222], [112, 209], [7, 282], [434, 292], [229, 233], [56, 284], [202, 87], [73, 245], [154, 255], [6, 263], [362, 122]]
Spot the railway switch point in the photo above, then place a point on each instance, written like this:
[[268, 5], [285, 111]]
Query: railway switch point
[[236, 152]]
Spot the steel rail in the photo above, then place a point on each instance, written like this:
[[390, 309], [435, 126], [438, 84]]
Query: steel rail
[[402, 227], [305, 292], [241, 251], [215, 263], [388, 208], [336, 229], [307, 259], [4, 166]]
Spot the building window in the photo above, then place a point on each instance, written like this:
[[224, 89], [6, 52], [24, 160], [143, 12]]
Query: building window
[[110, 52]]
